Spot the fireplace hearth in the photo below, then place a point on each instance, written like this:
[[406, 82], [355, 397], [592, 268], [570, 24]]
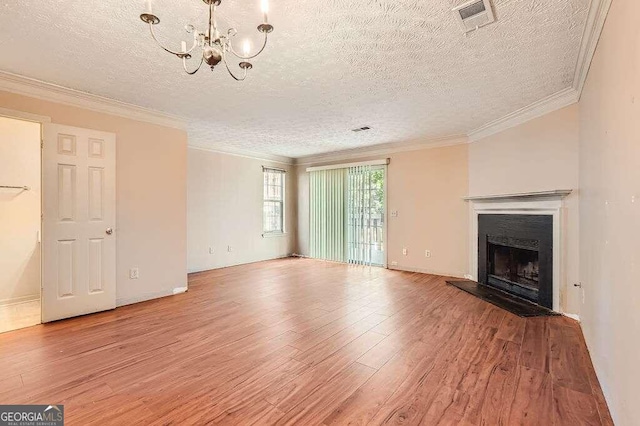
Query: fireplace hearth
[[515, 255]]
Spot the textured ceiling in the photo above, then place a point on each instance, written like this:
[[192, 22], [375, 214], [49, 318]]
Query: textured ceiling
[[403, 67]]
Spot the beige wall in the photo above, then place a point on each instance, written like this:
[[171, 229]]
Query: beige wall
[[539, 155], [151, 173], [19, 211], [426, 187], [225, 209], [610, 210]]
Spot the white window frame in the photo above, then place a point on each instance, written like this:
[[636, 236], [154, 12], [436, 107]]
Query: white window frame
[[282, 201]]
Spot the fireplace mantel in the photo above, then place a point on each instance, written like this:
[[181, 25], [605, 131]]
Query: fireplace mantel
[[556, 193]]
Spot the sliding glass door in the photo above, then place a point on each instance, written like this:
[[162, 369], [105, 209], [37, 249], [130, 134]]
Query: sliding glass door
[[366, 225], [347, 214]]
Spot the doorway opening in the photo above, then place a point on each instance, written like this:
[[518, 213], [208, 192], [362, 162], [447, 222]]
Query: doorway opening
[[20, 223]]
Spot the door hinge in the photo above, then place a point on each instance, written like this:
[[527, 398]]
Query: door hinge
[[41, 144]]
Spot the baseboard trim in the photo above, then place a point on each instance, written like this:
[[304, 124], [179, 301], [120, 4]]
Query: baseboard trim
[[149, 296], [426, 271], [198, 270], [21, 299], [572, 316]]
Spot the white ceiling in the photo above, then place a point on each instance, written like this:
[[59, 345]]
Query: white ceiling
[[403, 67]]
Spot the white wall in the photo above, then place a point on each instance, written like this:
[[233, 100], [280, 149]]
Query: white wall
[[151, 190], [19, 211], [610, 210], [539, 155], [426, 187], [225, 209]]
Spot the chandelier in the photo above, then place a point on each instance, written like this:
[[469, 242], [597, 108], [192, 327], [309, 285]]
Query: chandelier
[[213, 46]]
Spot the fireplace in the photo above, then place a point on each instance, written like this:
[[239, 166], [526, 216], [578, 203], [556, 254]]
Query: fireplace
[[515, 255]]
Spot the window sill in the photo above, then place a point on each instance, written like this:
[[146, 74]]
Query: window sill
[[274, 234]]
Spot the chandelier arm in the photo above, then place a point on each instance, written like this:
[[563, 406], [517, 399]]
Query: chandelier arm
[[231, 73], [264, 45], [153, 34], [184, 65]]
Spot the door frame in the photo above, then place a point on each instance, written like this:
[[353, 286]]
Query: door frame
[[386, 216], [41, 120]]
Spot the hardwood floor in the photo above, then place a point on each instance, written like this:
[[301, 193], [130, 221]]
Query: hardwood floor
[[298, 341]]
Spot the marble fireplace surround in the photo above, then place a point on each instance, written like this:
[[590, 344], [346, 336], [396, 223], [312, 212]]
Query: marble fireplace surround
[[530, 203]]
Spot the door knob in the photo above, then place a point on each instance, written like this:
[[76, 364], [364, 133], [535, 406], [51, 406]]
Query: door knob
[[109, 231]]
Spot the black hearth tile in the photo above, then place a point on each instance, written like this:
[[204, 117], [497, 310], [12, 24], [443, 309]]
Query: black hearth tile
[[503, 300]]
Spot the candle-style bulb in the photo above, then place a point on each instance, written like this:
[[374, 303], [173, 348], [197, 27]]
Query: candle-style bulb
[[265, 10], [147, 7], [184, 46], [246, 48]]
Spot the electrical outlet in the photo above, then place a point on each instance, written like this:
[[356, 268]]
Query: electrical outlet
[[468, 277], [427, 253], [134, 273], [404, 251], [229, 249], [394, 213], [210, 250], [394, 263]]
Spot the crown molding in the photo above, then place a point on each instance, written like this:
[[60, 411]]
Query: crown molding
[[537, 109], [596, 18], [598, 11], [380, 150], [272, 158], [26, 86]]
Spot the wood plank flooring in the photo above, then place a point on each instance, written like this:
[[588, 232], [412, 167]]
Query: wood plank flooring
[[298, 341]]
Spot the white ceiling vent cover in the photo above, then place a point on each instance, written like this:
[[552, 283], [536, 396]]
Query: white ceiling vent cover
[[474, 14]]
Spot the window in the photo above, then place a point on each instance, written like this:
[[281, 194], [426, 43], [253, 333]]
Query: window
[[273, 201]]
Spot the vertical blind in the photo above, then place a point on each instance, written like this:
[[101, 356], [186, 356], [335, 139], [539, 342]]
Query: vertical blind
[[328, 214], [347, 214], [359, 215]]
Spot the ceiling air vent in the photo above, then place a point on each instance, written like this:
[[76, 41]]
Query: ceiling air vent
[[361, 129], [474, 14]]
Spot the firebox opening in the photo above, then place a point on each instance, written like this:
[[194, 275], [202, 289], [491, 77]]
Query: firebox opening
[[515, 268], [519, 266]]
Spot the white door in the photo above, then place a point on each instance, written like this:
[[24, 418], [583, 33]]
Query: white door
[[79, 219]]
